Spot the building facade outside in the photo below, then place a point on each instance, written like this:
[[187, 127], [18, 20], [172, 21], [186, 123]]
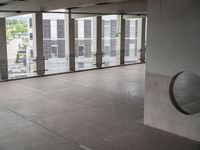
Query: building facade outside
[[54, 44]]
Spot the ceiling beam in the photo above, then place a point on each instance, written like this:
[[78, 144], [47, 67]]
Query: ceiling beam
[[98, 8], [37, 5], [131, 7]]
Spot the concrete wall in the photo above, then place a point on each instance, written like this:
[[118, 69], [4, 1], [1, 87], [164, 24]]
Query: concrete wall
[[173, 46]]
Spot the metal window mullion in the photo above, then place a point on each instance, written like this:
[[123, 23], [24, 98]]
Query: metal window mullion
[[3, 51], [143, 39], [98, 40], [38, 43]]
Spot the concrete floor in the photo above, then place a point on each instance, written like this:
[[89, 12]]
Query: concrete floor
[[93, 110]]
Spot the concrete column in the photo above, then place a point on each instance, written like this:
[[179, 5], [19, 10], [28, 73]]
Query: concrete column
[[121, 40], [3, 50], [38, 43], [70, 40], [98, 40], [143, 40]]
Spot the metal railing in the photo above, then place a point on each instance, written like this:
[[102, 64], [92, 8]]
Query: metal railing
[[28, 68]]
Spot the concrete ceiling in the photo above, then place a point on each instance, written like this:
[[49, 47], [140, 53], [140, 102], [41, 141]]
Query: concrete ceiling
[[3, 1], [96, 6], [131, 6], [37, 5]]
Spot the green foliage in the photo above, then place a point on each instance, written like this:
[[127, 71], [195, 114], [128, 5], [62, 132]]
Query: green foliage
[[15, 28], [18, 28], [117, 34]]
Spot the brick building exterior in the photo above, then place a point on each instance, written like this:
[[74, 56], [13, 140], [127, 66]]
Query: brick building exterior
[[54, 37], [54, 47]]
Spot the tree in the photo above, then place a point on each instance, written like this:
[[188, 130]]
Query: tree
[[16, 27]]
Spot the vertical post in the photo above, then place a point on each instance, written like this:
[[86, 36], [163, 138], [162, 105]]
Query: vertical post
[[98, 40], [121, 40], [70, 35], [38, 43], [3, 50], [143, 39]]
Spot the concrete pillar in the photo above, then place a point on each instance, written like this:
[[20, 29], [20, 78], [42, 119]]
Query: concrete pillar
[[70, 41], [98, 40], [38, 43], [143, 41], [3, 50], [121, 40]]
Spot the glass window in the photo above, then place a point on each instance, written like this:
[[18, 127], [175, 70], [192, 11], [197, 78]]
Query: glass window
[[54, 43], [132, 40], [81, 50], [54, 51], [109, 40], [80, 28], [85, 55], [53, 30], [30, 22], [31, 36], [20, 49], [107, 31]]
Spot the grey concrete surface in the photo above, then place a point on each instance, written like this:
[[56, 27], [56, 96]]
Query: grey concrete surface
[[172, 47], [93, 110], [162, 114], [130, 6], [36, 5], [185, 92]]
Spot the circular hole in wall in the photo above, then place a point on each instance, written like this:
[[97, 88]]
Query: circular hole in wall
[[185, 92]]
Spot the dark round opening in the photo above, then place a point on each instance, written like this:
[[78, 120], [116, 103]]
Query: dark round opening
[[184, 92]]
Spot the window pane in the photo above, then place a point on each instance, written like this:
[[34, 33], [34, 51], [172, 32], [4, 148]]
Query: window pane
[[21, 53], [109, 40], [132, 40], [54, 43], [84, 43]]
